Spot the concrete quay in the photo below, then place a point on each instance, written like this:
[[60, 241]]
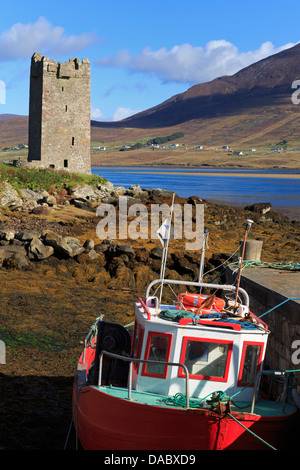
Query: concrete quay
[[268, 288]]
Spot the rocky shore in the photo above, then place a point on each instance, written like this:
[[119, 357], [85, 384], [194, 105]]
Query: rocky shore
[[57, 276]]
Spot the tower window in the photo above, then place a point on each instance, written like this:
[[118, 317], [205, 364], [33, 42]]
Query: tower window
[[66, 107], [73, 140], [65, 163]]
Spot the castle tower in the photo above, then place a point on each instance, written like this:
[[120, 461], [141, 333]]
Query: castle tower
[[59, 115]]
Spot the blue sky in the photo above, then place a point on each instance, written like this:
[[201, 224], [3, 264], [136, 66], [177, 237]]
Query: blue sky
[[141, 52]]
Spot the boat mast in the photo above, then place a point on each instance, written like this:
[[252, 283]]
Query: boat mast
[[248, 226], [201, 267], [164, 233]]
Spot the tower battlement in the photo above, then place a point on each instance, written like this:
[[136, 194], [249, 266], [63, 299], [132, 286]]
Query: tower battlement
[[70, 69], [59, 114]]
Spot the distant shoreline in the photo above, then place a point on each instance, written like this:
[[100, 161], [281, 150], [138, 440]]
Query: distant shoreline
[[283, 170], [240, 175]]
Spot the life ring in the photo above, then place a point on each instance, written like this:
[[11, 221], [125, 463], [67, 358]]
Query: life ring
[[193, 303]]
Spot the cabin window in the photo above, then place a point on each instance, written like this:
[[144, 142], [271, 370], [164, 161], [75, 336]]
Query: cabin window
[[157, 349], [206, 359], [138, 335], [250, 363]]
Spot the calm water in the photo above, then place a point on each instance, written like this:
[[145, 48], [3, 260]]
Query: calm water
[[228, 186]]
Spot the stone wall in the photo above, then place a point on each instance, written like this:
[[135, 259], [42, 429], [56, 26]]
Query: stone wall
[[59, 114], [283, 322]]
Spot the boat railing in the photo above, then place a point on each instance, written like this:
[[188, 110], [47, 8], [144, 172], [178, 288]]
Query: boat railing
[[273, 374], [226, 287], [131, 360]]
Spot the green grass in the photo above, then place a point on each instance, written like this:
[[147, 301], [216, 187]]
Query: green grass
[[50, 180], [15, 341]]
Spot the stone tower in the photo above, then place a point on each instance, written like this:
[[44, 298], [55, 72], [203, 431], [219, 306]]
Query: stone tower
[[59, 115]]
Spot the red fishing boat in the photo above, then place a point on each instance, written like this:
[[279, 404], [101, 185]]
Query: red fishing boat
[[190, 376]]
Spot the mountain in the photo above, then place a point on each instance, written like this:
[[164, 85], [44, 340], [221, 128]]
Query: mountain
[[13, 130], [255, 102], [257, 85], [250, 108]]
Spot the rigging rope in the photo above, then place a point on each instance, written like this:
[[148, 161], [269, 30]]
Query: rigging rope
[[218, 396], [285, 265]]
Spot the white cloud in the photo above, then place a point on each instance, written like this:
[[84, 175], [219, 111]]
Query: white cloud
[[119, 114], [96, 114], [22, 40], [122, 113], [191, 64]]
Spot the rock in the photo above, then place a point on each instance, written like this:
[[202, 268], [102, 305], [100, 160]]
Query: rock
[[118, 191], [136, 191], [110, 200], [107, 187], [157, 253], [27, 235], [9, 198], [261, 207], [7, 235], [86, 192], [56, 241], [30, 205], [40, 210], [132, 200], [16, 261], [101, 247], [29, 195], [89, 244], [9, 250], [160, 192], [194, 200], [50, 200], [83, 204], [73, 246], [126, 249], [184, 266], [93, 255], [37, 250], [136, 188]]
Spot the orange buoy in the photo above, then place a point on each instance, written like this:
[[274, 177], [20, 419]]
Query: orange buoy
[[193, 302]]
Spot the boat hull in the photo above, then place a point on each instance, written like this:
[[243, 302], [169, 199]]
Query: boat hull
[[106, 422]]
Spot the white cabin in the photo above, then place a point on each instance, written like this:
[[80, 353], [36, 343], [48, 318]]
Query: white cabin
[[221, 354]]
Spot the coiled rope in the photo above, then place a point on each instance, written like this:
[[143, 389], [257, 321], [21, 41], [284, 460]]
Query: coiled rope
[[177, 315]]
